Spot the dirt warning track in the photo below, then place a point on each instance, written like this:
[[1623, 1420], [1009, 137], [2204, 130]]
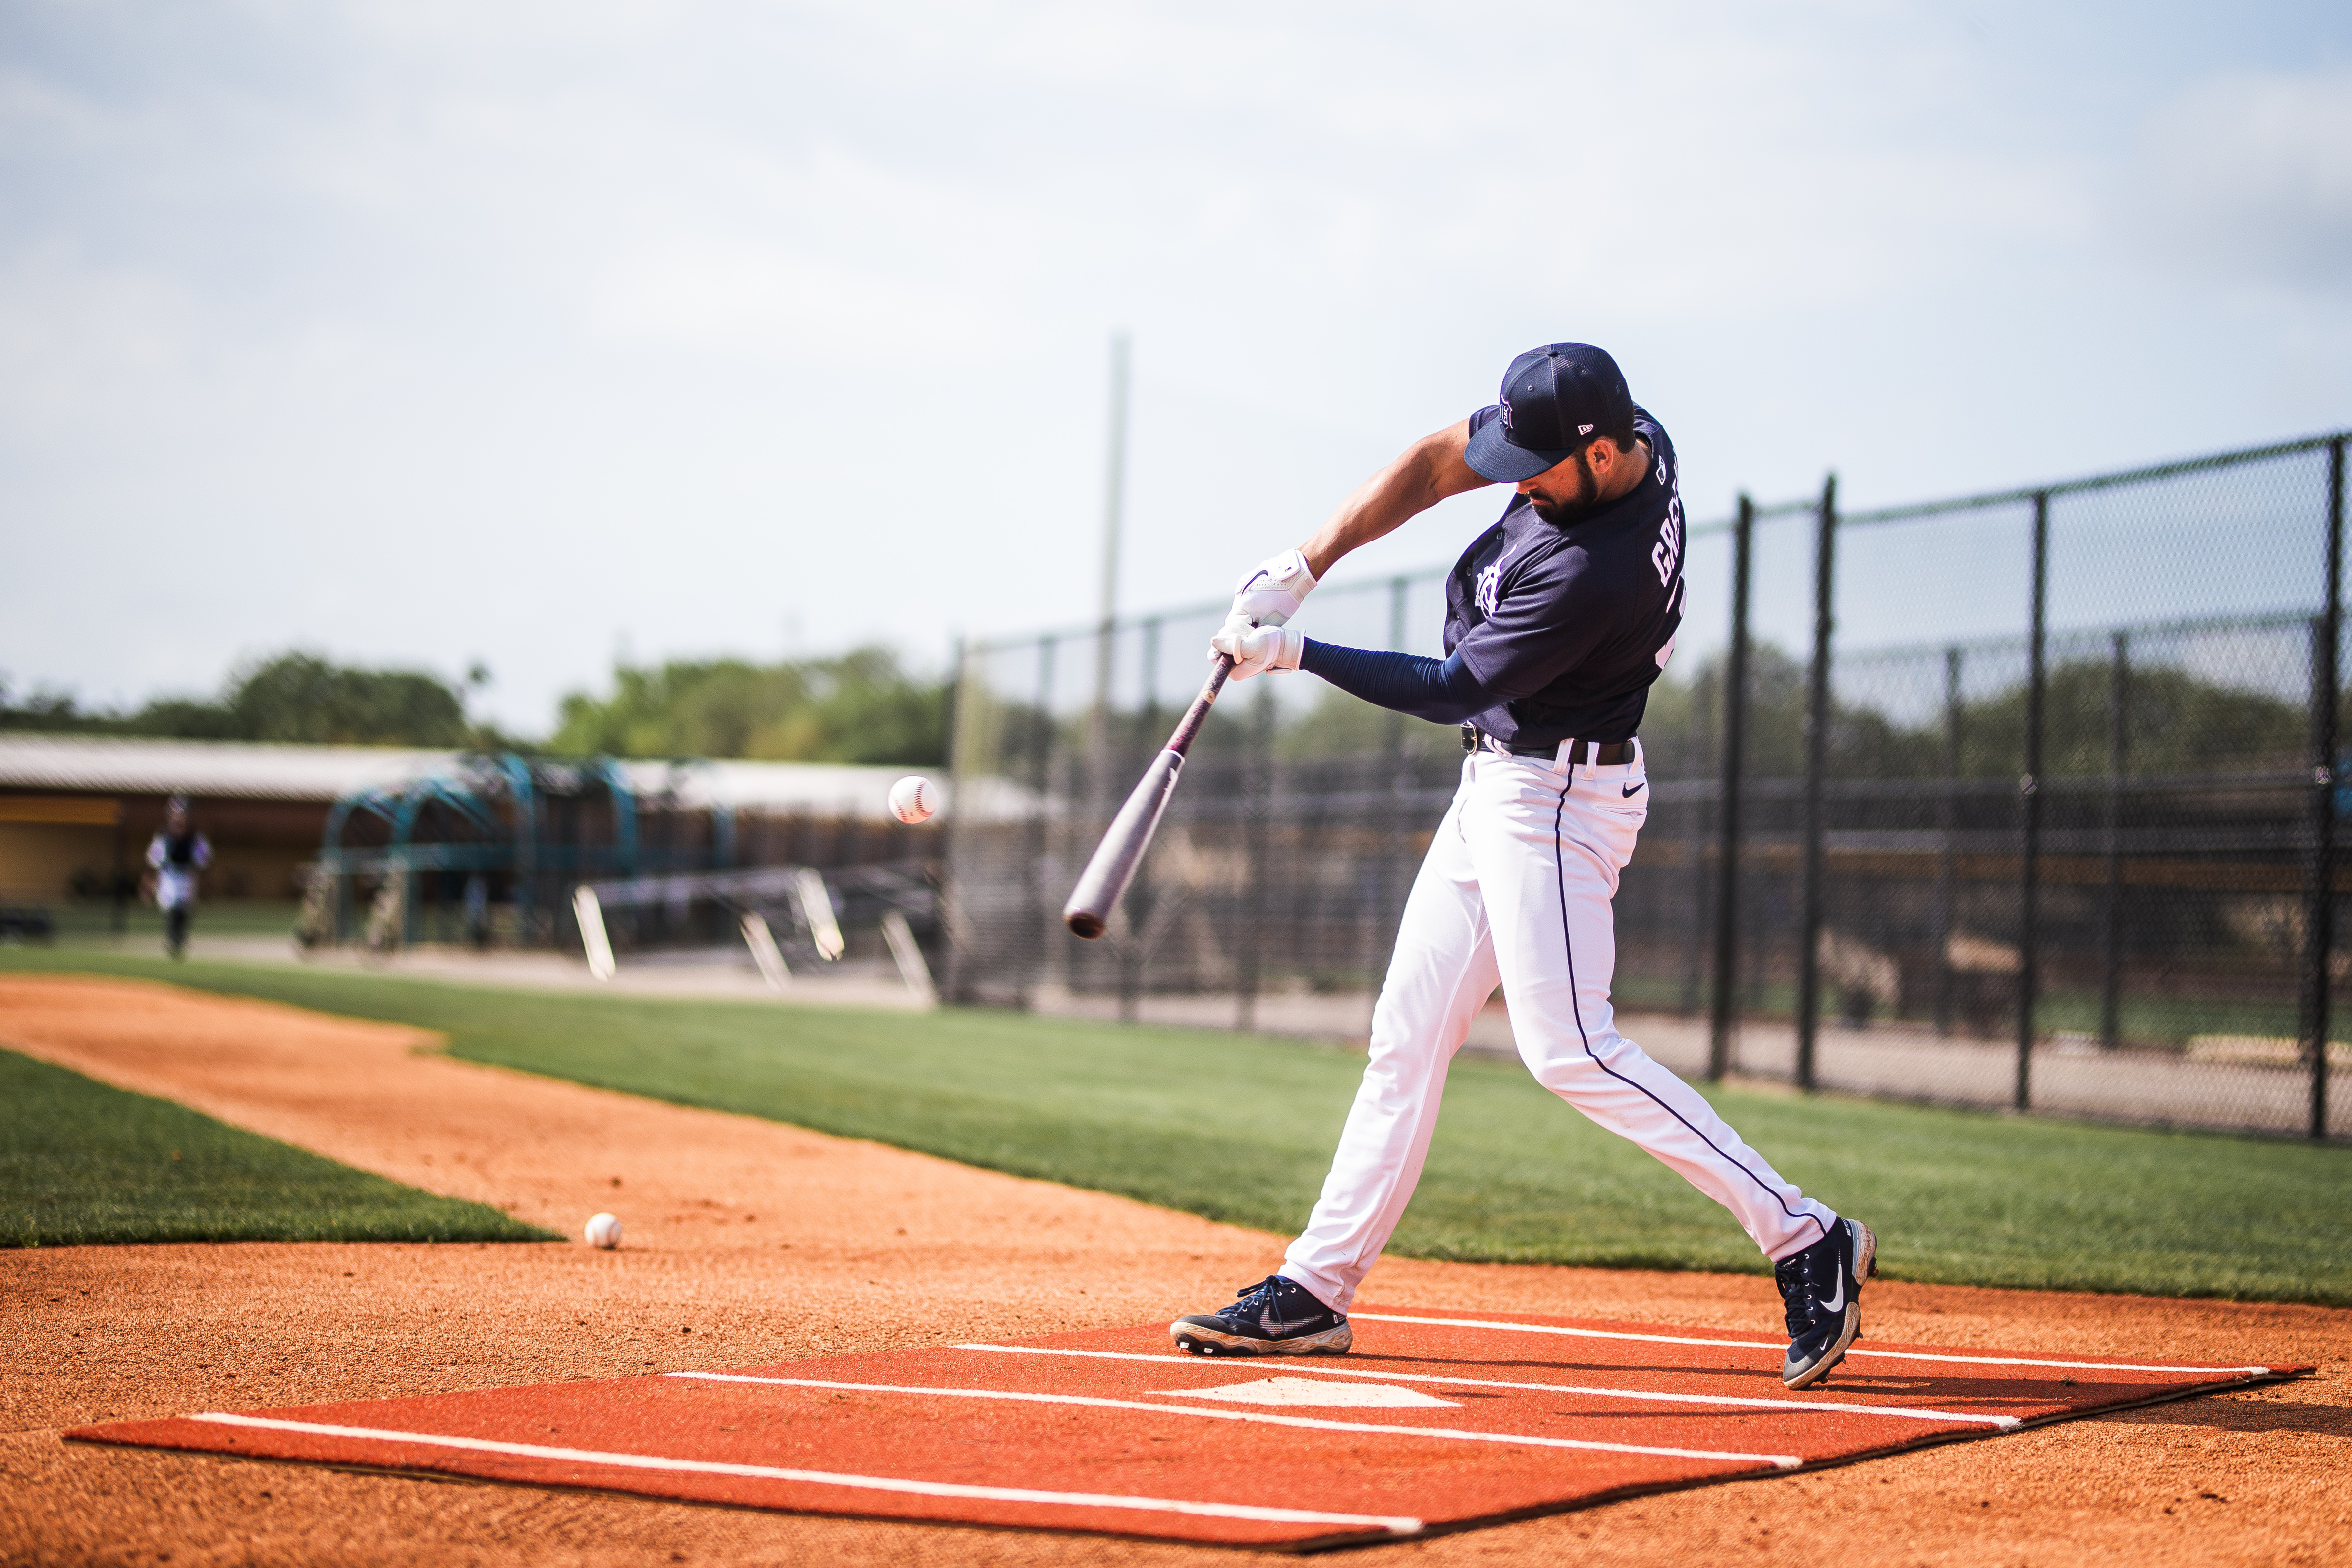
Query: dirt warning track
[[1437, 1423]]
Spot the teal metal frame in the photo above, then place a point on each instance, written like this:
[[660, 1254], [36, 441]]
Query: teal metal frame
[[494, 815]]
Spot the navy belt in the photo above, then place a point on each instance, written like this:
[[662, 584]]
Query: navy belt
[[1581, 753]]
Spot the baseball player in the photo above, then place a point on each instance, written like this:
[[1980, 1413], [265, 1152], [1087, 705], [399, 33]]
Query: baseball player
[[177, 854], [1558, 618]]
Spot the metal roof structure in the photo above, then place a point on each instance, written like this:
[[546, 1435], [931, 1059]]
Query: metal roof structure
[[105, 764], [259, 771]]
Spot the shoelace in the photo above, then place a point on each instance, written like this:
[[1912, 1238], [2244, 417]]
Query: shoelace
[[1801, 1294], [1249, 1294]]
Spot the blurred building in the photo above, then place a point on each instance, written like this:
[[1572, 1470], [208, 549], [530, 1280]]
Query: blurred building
[[76, 813]]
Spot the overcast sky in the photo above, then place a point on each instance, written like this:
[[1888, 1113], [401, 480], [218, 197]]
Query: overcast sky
[[420, 333]]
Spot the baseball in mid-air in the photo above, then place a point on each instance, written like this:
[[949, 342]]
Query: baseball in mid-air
[[603, 1231], [914, 798]]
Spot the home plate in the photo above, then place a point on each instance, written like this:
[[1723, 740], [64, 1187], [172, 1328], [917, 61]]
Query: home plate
[[1436, 1422], [1328, 1392]]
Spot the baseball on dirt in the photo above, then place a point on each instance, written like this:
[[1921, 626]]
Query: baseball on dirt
[[913, 798], [603, 1231]]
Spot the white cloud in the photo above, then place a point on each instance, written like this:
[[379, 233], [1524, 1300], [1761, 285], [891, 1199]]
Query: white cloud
[[2248, 176]]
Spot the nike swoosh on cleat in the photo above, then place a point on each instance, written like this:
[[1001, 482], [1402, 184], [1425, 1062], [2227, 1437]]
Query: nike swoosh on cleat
[[1836, 1304]]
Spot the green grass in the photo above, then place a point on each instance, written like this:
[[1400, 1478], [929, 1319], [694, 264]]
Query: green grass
[[81, 1162], [1240, 1129]]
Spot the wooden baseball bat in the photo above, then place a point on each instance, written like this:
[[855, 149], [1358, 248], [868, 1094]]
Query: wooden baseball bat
[[1103, 881]]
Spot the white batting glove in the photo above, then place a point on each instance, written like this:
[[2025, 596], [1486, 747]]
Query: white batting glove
[[1254, 650], [1270, 593]]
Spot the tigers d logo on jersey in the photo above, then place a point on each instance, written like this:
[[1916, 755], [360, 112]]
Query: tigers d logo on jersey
[[1490, 584]]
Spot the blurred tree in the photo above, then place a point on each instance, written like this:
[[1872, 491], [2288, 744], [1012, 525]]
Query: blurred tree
[[1339, 725], [2176, 722], [859, 708], [301, 697], [293, 697], [1776, 717], [45, 708]]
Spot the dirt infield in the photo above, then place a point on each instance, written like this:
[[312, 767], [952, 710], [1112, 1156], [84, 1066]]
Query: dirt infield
[[751, 1242]]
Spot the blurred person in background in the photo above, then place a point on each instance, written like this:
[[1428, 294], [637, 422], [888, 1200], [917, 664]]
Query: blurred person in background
[[478, 912], [177, 854]]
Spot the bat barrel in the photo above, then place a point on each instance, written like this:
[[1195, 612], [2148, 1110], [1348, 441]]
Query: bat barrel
[[1105, 880]]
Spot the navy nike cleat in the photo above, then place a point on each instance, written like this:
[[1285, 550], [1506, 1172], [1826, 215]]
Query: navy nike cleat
[[1274, 1317], [1822, 1288]]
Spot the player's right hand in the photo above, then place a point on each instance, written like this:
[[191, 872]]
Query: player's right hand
[[1254, 650], [1270, 593]]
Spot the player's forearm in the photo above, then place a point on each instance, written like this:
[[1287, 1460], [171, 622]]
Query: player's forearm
[[1442, 691], [1422, 475]]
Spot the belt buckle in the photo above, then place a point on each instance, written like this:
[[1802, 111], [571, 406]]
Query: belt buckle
[[1470, 738]]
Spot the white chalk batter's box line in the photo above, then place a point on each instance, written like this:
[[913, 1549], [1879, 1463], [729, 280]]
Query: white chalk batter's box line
[[1300, 1364], [1257, 1417], [1395, 1524], [1764, 1344]]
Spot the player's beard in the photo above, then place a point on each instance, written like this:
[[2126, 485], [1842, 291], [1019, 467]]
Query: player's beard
[[1563, 512]]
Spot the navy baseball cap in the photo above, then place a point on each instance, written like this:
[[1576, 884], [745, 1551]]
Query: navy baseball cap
[[1555, 400]]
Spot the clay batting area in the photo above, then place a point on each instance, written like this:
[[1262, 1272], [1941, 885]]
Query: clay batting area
[[1437, 1423], [863, 1355]]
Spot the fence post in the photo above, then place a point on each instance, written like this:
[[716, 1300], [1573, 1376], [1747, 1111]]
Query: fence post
[[2319, 919], [1393, 831], [1033, 958], [1696, 725], [1135, 950], [1735, 743], [1114, 502], [1817, 752], [2029, 787], [951, 921], [1947, 823], [1258, 805], [2111, 953]]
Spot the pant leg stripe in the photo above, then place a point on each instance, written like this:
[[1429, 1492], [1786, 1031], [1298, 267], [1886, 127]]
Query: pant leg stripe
[[1576, 1011]]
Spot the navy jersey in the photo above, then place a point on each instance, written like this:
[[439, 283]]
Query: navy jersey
[[1571, 625]]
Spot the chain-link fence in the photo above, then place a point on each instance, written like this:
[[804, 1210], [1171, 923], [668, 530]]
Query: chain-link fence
[[2019, 801]]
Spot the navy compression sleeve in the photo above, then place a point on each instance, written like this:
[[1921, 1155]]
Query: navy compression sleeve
[[1444, 693]]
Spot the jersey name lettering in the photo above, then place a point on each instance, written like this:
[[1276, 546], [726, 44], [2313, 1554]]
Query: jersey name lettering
[[1668, 553]]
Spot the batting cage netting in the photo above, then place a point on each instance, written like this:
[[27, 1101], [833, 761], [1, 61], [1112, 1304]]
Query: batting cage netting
[[2016, 800]]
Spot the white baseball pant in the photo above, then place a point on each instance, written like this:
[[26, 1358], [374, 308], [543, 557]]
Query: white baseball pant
[[1515, 889]]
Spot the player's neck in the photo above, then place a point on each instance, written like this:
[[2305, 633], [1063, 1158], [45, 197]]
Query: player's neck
[[1625, 476]]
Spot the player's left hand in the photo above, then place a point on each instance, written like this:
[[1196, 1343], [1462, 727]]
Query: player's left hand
[[1270, 593], [1254, 650]]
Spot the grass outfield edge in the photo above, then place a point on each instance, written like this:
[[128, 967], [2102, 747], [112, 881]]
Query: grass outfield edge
[[2008, 1202], [84, 1163]]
